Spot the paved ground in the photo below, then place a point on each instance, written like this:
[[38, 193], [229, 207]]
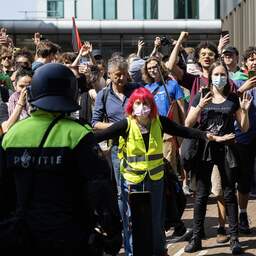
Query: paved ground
[[210, 247]]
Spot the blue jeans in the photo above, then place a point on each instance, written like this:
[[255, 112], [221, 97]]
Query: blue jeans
[[116, 168], [157, 189]]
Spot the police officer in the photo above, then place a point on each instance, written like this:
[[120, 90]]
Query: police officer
[[63, 191]]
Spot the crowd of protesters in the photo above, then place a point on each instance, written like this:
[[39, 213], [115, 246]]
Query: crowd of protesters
[[202, 88]]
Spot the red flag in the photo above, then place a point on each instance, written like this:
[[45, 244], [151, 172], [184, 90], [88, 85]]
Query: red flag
[[76, 42]]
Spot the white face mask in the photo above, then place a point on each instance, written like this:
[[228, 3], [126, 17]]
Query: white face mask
[[141, 110], [219, 81]]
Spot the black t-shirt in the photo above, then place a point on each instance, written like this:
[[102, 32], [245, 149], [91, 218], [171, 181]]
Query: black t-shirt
[[218, 118]]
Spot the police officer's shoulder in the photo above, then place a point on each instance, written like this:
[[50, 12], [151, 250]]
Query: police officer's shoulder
[[82, 123], [15, 129]]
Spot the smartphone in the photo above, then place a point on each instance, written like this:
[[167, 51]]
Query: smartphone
[[224, 32], [204, 91], [251, 73], [84, 61]]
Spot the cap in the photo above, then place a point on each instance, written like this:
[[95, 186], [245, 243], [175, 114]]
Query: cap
[[230, 49], [96, 52]]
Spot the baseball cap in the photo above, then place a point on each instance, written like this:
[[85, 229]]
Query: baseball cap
[[230, 49], [96, 53]]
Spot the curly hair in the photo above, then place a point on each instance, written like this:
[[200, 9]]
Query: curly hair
[[203, 45], [146, 77], [249, 52]]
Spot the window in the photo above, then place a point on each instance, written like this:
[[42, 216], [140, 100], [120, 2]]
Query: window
[[186, 9], [217, 9], [55, 8], [75, 8], [145, 9], [104, 9]]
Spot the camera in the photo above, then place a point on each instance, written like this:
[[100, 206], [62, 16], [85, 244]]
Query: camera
[[165, 41]]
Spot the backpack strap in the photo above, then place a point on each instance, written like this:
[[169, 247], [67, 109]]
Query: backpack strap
[[54, 121], [106, 92]]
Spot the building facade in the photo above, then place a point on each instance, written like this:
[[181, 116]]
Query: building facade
[[118, 24], [240, 20]]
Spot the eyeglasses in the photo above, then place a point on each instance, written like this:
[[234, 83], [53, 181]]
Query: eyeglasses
[[8, 57], [22, 63], [210, 54]]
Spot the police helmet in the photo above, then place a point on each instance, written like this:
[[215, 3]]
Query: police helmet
[[54, 89]]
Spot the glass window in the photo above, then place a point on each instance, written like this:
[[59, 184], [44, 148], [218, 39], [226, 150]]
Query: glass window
[[104, 9], [217, 9], [186, 9], [75, 8], [145, 9], [55, 8]]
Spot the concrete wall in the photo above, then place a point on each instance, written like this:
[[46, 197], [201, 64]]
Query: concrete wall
[[206, 9], [241, 24], [124, 9], [226, 6], [165, 9], [84, 9]]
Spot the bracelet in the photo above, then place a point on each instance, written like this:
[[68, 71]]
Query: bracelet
[[20, 105]]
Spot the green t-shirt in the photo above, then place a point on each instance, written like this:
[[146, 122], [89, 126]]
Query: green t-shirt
[[6, 81]]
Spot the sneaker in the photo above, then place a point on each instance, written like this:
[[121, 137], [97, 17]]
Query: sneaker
[[186, 190], [235, 246], [222, 236], [195, 244], [244, 224]]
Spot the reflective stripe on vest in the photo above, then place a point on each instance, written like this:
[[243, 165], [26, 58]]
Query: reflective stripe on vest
[[131, 159], [136, 161], [151, 172]]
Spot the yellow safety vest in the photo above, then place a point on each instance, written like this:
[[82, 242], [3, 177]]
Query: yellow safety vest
[[136, 162]]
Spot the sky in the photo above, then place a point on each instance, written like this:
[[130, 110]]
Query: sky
[[14, 9]]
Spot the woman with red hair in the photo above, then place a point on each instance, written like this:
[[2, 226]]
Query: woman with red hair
[[142, 164]]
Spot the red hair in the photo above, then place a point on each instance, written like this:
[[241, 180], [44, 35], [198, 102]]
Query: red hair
[[145, 96]]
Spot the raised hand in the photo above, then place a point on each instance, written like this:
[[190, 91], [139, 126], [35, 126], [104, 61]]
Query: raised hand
[[37, 38], [157, 42], [223, 41], [23, 97], [183, 37], [141, 44], [86, 49], [245, 101], [204, 101]]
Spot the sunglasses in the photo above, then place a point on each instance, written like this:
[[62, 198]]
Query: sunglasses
[[8, 57], [22, 63]]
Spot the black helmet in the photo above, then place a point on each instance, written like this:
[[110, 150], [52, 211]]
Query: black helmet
[[54, 88]]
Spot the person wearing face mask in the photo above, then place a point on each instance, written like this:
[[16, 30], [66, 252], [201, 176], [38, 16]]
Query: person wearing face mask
[[141, 159], [217, 111]]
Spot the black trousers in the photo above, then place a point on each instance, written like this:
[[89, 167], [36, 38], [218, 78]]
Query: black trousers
[[228, 179]]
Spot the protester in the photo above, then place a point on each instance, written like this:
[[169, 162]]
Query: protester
[[141, 154], [23, 80], [216, 111], [45, 53], [109, 107]]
